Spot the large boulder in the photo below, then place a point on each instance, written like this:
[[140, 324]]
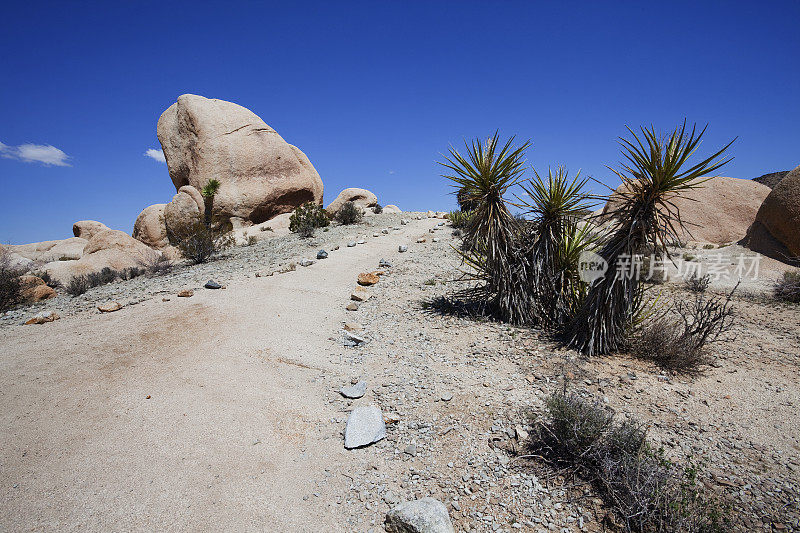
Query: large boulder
[[150, 227], [261, 175], [361, 197], [719, 211], [779, 214], [182, 210], [86, 229], [47, 251], [772, 179]]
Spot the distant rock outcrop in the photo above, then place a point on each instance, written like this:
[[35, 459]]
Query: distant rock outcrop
[[261, 175], [361, 197], [719, 211], [779, 215], [772, 179], [86, 229], [109, 248], [47, 251]]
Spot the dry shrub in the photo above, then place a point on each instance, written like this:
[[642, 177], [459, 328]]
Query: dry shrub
[[646, 492], [787, 288], [78, 285], [679, 340], [155, 264], [349, 213], [198, 241], [698, 283], [10, 285], [307, 218]]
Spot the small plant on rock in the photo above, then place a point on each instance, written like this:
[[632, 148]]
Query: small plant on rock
[[378, 209], [307, 218], [349, 213]]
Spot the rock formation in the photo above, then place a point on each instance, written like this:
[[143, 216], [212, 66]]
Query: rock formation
[[719, 211], [779, 216], [86, 229], [361, 197], [261, 175]]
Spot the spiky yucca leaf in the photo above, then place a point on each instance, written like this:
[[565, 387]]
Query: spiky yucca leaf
[[482, 177], [645, 220], [556, 243]]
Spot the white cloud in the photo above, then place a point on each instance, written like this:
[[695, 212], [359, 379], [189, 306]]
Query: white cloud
[[158, 155], [45, 154]]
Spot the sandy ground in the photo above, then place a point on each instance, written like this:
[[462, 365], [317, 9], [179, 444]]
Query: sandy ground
[[243, 425], [181, 414]]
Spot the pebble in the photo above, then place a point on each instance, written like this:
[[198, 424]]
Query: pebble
[[306, 262], [354, 391], [351, 244], [322, 254], [211, 284], [402, 248]]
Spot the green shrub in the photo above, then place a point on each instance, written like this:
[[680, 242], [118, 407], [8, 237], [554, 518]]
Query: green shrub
[[787, 288], [307, 218], [647, 492], [198, 241], [10, 285], [378, 209], [349, 213], [459, 219]]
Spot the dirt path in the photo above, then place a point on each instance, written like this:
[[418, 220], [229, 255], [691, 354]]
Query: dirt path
[[190, 414]]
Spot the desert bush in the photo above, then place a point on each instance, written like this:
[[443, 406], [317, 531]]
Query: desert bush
[[459, 219], [349, 213], [156, 264], [679, 340], [647, 492], [78, 285], [198, 241], [378, 209], [307, 218], [208, 192], [787, 287], [251, 240], [644, 222], [10, 285], [698, 283], [129, 273]]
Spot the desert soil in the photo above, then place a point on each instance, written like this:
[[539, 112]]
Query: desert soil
[[221, 411]]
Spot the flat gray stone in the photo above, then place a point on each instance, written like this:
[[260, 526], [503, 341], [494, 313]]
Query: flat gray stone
[[402, 248], [306, 262], [351, 244], [322, 254], [419, 516], [355, 391], [211, 284], [365, 426]]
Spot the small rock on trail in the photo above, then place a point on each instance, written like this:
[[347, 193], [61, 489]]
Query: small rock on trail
[[211, 284], [427, 515], [365, 426], [354, 391]]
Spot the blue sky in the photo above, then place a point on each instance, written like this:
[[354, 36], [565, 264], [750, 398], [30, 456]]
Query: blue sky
[[373, 92]]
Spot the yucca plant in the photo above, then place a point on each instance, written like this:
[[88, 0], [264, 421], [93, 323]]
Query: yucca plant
[[556, 244], [645, 219], [482, 177], [208, 192]]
